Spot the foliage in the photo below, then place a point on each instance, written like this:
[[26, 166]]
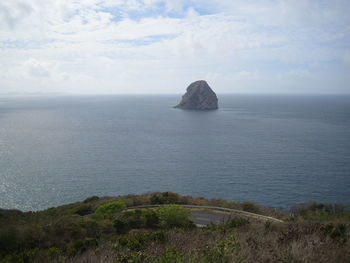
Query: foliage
[[337, 231], [134, 257], [225, 251], [138, 241], [84, 210], [174, 216], [167, 217], [91, 199], [173, 256], [164, 198], [82, 245], [251, 207], [320, 211], [110, 208], [237, 222], [136, 219], [9, 240], [74, 233]]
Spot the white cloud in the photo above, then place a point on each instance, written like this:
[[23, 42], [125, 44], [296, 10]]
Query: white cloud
[[346, 57], [12, 12], [37, 69], [136, 46]]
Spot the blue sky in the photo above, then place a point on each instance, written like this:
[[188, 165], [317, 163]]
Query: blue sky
[[157, 46]]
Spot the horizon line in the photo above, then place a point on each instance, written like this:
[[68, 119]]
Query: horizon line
[[155, 94]]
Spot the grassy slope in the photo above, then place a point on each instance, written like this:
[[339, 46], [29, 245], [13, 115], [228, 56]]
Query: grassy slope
[[73, 233]]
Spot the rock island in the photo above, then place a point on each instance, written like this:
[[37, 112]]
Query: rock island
[[199, 96]]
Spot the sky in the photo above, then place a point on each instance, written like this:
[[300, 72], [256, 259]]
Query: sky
[[159, 46]]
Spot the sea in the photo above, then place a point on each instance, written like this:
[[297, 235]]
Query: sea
[[276, 150]]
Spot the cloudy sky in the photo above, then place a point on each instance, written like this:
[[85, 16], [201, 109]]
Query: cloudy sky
[[160, 46]]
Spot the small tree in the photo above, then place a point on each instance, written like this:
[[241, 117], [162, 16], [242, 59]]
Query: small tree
[[174, 216], [110, 208]]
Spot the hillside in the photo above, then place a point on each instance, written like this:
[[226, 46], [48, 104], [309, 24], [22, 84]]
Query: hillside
[[101, 230]]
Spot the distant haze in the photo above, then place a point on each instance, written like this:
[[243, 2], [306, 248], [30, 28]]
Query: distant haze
[[159, 46]]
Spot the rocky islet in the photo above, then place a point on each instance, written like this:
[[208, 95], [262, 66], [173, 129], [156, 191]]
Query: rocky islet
[[199, 96]]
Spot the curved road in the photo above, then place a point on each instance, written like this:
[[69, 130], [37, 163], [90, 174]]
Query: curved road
[[204, 215]]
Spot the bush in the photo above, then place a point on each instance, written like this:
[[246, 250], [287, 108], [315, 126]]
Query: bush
[[224, 251], [91, 199], [22, 257], [337, 231], [151, 218], [10, 241], [82, 245], [110, 208], [317, 210], [121, 227], [133, 219], [173, 256], [251, 207], [237, 222], [174, 216], [164, 198], [84, 210], [136, 219], [134, 257], [53, 252], [140, 240]]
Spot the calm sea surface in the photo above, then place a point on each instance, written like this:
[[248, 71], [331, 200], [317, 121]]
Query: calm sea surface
[[275, 150]]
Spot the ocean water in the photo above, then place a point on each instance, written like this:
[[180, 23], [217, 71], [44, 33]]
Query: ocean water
[[276, 150]]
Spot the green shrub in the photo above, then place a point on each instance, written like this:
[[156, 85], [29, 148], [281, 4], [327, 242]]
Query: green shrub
[[268, 226], [10, 241], [22, 257], [157, 199], [82, 245], [140, 240], [164, 198], [237, 222], [212, 227], [91, 227], [136, 219], [320, 211], [79, 245], [174, 216], [133, 256], [159, 236], [84, 210], [10, 213], [251, 207], [151, 218], [53, 252], [133, 219], [173, 256], [335, 231], [121, 226], [91, 199], [133, 242], [110, 208], [224, 251]]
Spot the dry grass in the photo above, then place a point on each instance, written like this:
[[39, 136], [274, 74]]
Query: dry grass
[[294, 242]]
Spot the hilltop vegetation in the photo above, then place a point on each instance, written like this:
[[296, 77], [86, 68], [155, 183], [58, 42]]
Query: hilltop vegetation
[[99, 230]]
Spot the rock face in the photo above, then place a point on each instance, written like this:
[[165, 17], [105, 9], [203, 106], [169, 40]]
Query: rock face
[[199, 96]]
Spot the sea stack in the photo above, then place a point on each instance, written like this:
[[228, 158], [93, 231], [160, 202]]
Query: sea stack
[[199, 96]]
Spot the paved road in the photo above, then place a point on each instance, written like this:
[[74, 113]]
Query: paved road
[[204, 215]]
